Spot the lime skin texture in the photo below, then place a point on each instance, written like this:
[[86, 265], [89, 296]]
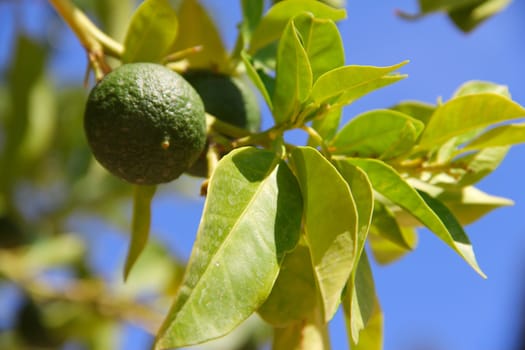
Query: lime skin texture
[[145, 123], [229, 99]]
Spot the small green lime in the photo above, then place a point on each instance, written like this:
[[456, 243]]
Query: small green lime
[[227, 98], [145, 123]]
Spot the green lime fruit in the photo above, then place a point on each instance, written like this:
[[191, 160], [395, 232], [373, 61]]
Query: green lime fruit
[[227, 98], [145, 123]]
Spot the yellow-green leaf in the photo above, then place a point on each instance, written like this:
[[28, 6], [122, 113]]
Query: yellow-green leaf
[[151, 32]]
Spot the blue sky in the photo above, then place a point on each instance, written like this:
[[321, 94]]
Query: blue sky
[[432, 300]]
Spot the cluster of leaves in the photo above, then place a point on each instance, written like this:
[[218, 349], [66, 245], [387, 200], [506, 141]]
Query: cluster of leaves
[[465, 14], [284, 227]]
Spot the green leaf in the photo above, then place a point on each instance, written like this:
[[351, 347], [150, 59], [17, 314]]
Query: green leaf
[[476, 87], [256, 78], [505, 135], [252, 11], [390, 184], [418, 110], [140, 224], [359, 299], [384, 250], [252, 218], [469, 17], [198, 29], [322, 43], [151, 32], [294, 294], [308, 334], [467, 113], [342, 86], [328, 124], [384, 224], [474, 167], [276, 19], [377, 134], [469, 203], [363, 195], [293, 80], [371, 337], [443, 5], [330, 220]]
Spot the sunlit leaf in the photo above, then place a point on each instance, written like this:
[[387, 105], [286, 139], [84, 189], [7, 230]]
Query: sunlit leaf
[[390, 184], [330, 224], [377, 134], [151, 32], [322, 43], [294, 294], [418, 110], [140, 224], [371, 337], [469, 203], [327, 125], [257, 80], [476, 87], [467, 113], [363, 195], [505, 135], [384, 250], [476, 166], [197, 28], [385, 225], [276, 19], [251, 218], [359, 299], [293, 80], [308, 334], [252, 11], [346, 84]]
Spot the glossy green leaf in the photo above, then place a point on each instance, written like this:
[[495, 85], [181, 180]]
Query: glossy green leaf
[[475, 166], [384, 250], [275, 20], [294, 294], [330, 220], [418, 110], [293, 80], [359, 299], [505, 135], [322, 43], [385, 225], [198, 29], [151, 32], [377, 134], [467, 113], [346, 84], [477, 86], [252, 11], [469, 203], [390, 184], [363, 195], [252, 218], [140, 224], [328, 124], [256, 78], [371, 337]]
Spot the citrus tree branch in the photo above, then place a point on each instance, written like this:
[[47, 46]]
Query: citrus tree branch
[[90, 36]]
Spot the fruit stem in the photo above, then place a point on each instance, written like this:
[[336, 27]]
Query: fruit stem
[[314, 135], [90, 36]]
